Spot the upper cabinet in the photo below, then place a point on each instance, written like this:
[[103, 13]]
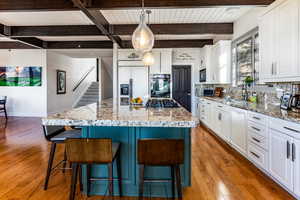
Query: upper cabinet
[[279, 30], [218, 62]]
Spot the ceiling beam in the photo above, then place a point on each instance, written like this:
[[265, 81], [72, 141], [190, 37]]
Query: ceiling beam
[[109, 44], [15, 45], [34, 5], [124, 29], [31, 41], [99, 20], [80, 45]]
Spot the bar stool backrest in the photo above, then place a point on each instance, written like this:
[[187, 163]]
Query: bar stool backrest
[[85, 150], [3, 100], [160, 152], [51, 131]]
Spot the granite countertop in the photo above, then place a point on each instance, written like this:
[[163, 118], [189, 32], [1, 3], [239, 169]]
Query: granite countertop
[[108, 113], [266, 109]]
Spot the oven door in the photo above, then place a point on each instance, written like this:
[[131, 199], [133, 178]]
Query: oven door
[[160, 86]]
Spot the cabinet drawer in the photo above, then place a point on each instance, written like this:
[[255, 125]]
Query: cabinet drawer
[[257, 128], [257, 118], [289, 128], [257, 139], [258, 156]]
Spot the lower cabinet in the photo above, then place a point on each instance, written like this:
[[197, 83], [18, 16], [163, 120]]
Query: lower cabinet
[[280, 157], [297, 167], [239, 130], [222, 122]]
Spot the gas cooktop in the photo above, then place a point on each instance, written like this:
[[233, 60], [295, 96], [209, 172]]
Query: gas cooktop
[[161, 103]]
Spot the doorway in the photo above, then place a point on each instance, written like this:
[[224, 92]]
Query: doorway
[[181, 89]]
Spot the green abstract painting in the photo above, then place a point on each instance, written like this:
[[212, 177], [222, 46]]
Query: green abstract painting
[[21, 76]]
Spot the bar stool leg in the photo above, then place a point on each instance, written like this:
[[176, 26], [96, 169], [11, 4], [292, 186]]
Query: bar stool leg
[[173, 181], [119, 169], [73, 181], [80, 178], [110, 181], [65, 161], [178, 180], [88, 174], [141, 184], [50, 162]]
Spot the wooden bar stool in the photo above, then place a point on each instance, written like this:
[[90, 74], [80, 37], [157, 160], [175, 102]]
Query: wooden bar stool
[[57, 135], [161, 152], [94, 151]]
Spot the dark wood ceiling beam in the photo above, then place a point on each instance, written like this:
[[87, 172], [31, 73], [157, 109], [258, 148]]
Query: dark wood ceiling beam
[[124, 29], [34, 5], [32, 41], [98, 19], [15, 45], [80, 45]]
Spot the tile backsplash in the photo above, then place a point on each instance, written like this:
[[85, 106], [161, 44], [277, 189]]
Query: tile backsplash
[[272, 92]]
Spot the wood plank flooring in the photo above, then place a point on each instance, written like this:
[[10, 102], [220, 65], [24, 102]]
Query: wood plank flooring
[[218, 172]]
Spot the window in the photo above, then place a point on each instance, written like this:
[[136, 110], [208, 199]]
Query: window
[[245, 58]]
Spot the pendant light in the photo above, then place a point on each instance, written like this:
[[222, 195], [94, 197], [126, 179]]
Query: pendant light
[[143, 38], [148, 59]]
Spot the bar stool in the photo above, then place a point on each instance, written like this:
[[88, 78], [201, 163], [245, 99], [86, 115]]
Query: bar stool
[[57, 135], [94, 151], [161, 152]]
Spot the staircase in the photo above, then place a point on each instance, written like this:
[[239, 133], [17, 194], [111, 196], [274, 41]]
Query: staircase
[[90, 96]]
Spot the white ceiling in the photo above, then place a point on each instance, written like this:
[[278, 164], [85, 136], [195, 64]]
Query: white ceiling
[[185, 15], [44, 18]]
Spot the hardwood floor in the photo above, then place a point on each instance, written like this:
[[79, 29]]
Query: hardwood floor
[[218, 172]]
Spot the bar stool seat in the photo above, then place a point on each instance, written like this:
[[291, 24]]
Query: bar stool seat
[[86, 151], [61, 137], [161, 152]]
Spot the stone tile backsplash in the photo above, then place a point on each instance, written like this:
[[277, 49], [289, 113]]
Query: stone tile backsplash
[[273, 92]]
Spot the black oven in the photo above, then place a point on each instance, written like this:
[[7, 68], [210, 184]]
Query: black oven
[[202, 75]]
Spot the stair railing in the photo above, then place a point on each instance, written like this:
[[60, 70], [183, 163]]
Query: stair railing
[[83, 78]]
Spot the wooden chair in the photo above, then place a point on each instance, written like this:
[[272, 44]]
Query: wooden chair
[[161, 152], [57, 135], [93, 151], [3, 100]]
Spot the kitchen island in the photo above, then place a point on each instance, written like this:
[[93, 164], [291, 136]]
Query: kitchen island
[[127, 124]]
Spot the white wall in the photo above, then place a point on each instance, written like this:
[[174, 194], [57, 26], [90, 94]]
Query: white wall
[[75, 69], [247, 22], [194, 60], [106, 77], [25, 101]]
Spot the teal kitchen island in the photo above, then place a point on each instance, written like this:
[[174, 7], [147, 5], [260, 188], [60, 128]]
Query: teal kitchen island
[[127, 124]]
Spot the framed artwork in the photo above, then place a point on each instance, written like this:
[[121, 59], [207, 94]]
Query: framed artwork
[[20, 76], [61, 82]]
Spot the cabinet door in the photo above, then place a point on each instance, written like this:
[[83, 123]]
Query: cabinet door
[[124, 75], [155, 68], [297, 167], [280, 163], [208, 114], [267, 35], [226, 126], [140, 82], [217, 121], [166, 62], [286, 64], [239, 130]]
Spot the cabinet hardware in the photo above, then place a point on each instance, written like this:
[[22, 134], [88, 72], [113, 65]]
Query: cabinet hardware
[[257, 129], [220, 106], [288, 151], [290, 129], [257, 156], [256, 139], [272, 69], [256, 118], [293, 152]]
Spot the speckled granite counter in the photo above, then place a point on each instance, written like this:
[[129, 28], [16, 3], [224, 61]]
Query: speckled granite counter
[[266, 109], [108, 113]]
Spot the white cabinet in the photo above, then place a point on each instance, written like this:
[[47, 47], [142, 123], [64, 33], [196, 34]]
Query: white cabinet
[[296, 153], [279, 43], [239, 130], [155, 68], [280, 163], [166, 62], [224, 122]]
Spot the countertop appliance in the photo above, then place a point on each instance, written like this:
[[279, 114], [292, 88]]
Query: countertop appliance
[[162, 103], [295, 103], [286, 101], [208, 92], [202, 75], [160, 85]]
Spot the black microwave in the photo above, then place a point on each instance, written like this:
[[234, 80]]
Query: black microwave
[[202, 75]]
